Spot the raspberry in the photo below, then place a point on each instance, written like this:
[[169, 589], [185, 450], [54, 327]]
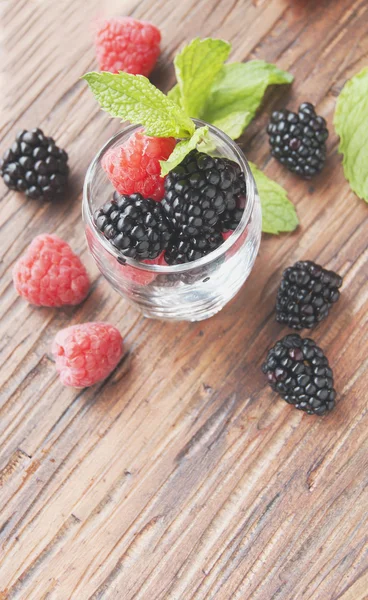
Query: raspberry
[[139, 276], [88, 353], [298, 371], [50, 274], [135, 167], [125, 44]]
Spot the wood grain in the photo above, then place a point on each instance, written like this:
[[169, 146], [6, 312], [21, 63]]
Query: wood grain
[[182, 476]]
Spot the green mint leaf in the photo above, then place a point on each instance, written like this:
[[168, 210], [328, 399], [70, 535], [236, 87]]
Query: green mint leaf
[[278, 213], [196, 67], [182, 149], [240, 87], [234, 123], [351, 124], [133, 98], [175, 95], [207, 145]]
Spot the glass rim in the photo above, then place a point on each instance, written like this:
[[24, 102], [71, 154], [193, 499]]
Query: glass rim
[[201, 262]]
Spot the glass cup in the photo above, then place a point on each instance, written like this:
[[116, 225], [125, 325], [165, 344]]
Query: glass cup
[[192, 291]]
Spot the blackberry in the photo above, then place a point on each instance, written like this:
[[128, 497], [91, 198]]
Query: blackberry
[[182, 249], [135, 225], [204, 193], [298, 140], [298, 371], [35, 165], [306, 294], [233, 213]]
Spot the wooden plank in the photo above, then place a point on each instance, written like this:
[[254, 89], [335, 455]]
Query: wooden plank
[[182, 476]]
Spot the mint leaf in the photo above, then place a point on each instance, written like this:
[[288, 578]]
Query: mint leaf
[[133, 98], [182, 149], [196, 67], [351, 124], [233, 124], [240, 87], [175, 95], [278, 213], [207, 145]]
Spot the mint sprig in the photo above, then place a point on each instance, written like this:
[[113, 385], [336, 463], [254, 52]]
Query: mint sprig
[[278, 213], [351, 124], [227, 96], [133, 98]]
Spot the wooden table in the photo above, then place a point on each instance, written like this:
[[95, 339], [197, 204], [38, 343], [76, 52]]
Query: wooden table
[[183, 476]]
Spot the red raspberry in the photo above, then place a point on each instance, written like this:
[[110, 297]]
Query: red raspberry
[[50, 274], [125, 44], [88, 353], [227, 234], [135, 166], [161, 260], [140, 276]]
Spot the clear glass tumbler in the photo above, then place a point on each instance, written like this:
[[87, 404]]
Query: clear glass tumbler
[[192, 291]]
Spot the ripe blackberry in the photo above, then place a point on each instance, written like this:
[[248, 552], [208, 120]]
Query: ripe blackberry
[[204, 192], [298, 371], [35, 165], [298, 140], [135, 225], [182, 249], [233, 213], [306, 294]]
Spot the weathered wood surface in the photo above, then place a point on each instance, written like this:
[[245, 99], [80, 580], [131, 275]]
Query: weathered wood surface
[[182, 477]]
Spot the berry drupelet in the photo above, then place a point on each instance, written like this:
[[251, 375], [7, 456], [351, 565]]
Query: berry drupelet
[[306, 294], [35, 165], [298, 140], [182, 249], [204, 193], [134, 225], [298, 371]]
